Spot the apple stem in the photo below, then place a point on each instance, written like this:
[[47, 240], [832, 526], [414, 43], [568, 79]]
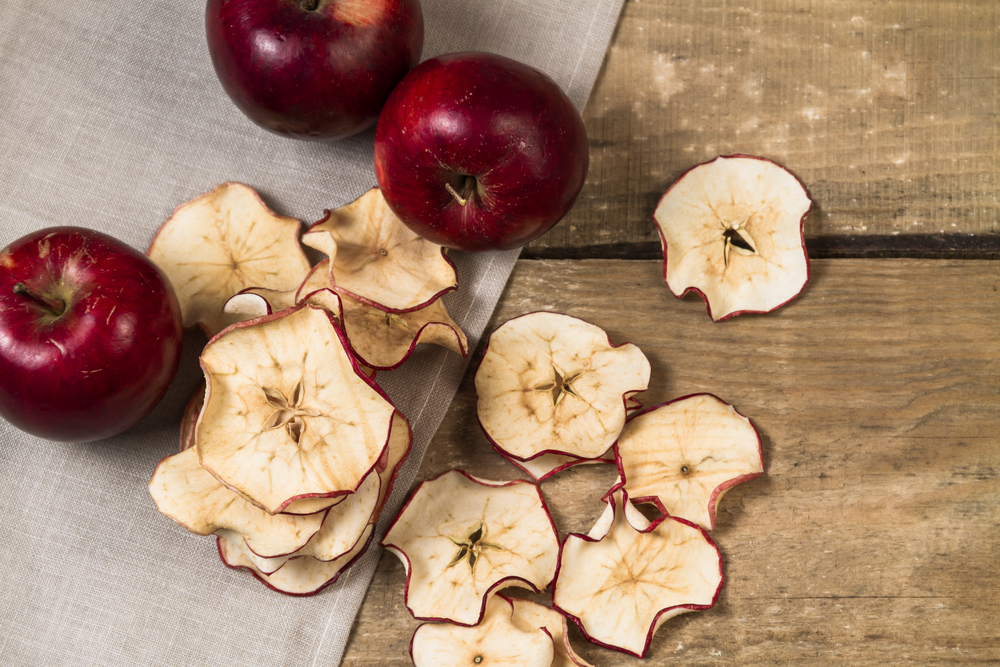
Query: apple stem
[[461, 200], [55, 306], [309, 5]]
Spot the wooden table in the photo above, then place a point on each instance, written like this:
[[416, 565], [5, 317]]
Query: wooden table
[[874, 536]]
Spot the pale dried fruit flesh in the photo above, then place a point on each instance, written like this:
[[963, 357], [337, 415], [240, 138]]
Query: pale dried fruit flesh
[[345, 534], [221, 243], [254, 302], [496, 642], [529, 615], [191, 496], [297, 576], [628, 576], [460, 539], [732, 232], [287, 413], [384, 340], [553, 384], [345, 523], [192, 410], [377, 260], [685, 454]]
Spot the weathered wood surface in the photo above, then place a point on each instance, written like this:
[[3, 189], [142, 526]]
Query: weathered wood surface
[[873, 537], [889, 112]]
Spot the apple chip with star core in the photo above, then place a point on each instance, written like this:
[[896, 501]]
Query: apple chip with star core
[[731, 231], [345, 534], [222, 242], [461, 539], [553, 389], [288, 413], [384, 340], [496, 642], [626, 577], [344, 524], [685, 454], [377, 260]]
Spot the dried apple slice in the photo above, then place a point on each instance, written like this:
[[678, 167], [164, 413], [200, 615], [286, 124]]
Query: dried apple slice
[[322, 559], [297, 576], [496, 642], [191, 496], [529, 615], [461, 538], [731, 231], [545, 466], [626, 577], [377, 260], [257, 302], [553, 384], [685, 454], [288, 413], [189, 419], [385, 340], [345, 523], [254, 302], [222, 242]]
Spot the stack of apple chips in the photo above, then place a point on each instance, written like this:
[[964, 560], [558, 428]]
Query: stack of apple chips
[[290, 449]]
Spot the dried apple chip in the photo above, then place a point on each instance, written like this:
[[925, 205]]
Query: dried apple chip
[[297, 576], [496, 642], [255, 302], [377, 260], [684, 455], [189, 419], [288, 414], [731, 231], [385, 340], [191, 496], [344, 524], [553, 384], [626, 577], [529, 615], [222, 242], [460, 539]]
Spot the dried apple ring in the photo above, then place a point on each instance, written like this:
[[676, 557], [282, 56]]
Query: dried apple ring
[[222, 242], [684, 455], [626, 577], [731, 231], [551, 384], [377, 260], [496, 642], [288, 414], [385, 340], [461, 538]]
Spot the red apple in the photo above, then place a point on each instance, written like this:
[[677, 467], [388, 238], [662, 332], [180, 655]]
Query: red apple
[[313, 69], [475, 151], [90, 334]]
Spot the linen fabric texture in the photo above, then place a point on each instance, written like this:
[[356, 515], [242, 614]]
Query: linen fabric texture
[[112, 116]]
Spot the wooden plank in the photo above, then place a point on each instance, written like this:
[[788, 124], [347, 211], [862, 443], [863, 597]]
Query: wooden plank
[[872, 538], [889, 112]]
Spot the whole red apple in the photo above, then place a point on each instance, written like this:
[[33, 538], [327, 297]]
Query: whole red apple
[[313, 69], [475, 151], [90, 334]]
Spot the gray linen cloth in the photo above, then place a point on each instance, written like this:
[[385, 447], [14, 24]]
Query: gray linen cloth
[[110, 116]]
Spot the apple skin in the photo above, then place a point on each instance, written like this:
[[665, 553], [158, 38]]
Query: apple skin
[[501, 134], [103, 363], [319, 74]]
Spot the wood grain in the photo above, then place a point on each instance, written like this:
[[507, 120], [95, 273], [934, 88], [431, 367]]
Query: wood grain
[[889, 112], [872, 538]]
